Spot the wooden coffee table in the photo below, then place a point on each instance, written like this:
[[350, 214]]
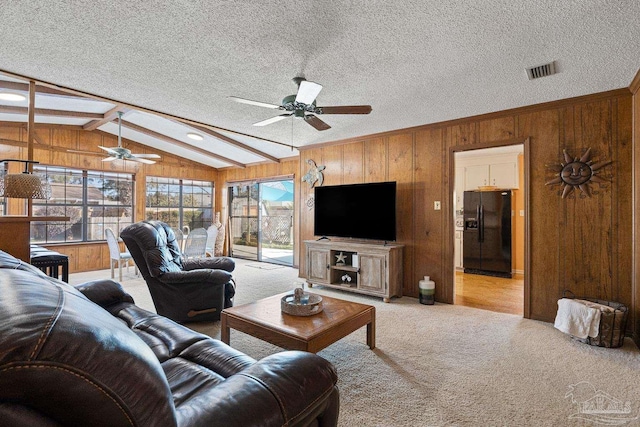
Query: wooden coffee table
[[264, 319]]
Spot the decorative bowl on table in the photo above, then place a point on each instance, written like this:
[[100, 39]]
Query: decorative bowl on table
[[306, 305]]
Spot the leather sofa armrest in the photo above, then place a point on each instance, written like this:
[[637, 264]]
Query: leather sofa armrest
[[214, 277], [104, 292], [217, 263], [301, 385]]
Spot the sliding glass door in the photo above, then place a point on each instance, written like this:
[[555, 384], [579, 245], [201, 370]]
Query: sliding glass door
[[243, 218], [276, 222], [261, 216]]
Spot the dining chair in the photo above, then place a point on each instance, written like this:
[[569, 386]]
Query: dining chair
[[212, 234], [196, 244], [115, 255], [179, 238]]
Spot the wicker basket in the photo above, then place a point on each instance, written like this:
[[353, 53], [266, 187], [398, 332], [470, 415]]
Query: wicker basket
[[613, 321]]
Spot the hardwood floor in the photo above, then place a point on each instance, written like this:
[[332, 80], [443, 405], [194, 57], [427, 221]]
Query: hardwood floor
[[490, 293]]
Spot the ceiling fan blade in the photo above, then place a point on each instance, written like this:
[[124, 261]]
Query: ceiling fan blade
[[308, 92], [347, 109], [139, 160], [108, 150], [109, 159], [256, 103], [316, 122], [272, 120], [146, 156]]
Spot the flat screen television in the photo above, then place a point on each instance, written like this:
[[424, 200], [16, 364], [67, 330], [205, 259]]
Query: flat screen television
[[359, 211]]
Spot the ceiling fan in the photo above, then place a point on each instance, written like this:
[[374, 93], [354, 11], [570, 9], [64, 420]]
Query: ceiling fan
[[121, 153], [303, 105]]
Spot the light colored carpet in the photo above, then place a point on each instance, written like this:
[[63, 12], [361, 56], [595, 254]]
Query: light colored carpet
[[447, 365]]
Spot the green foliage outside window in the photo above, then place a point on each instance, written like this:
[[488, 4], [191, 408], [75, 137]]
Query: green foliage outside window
[[179, 203]]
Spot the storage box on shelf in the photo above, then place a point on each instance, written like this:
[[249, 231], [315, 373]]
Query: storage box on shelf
[[366, 268]]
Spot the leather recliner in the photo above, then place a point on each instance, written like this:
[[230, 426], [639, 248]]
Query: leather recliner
[[184, 290], [88, 356]]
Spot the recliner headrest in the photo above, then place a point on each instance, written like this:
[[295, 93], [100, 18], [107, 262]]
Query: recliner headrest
[[157, 244]]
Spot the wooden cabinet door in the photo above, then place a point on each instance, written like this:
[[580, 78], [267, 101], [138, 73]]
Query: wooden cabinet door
[[503, 175], [476, 176], [372, 273], [318, 268]]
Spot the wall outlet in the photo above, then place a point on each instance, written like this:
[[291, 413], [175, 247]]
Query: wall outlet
[[436, 206], [522, 213]]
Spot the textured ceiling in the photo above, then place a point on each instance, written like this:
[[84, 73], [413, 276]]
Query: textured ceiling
[[415, 62]]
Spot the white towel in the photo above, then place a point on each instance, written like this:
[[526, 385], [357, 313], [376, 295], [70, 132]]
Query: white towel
[[575, 318]]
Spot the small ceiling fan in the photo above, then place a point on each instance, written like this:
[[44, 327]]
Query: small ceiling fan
[[121, 153], [303, 105]]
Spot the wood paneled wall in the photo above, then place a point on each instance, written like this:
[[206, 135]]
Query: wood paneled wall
[[583, 244], [286, 167], [51, 146], [635, 90]]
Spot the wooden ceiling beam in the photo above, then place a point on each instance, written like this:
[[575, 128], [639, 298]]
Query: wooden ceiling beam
[[109, 116], [179, 143], [233, 142], [40, 90], [7, 109]]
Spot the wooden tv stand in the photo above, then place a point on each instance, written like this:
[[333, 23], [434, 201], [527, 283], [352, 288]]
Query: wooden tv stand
[[373, 269]]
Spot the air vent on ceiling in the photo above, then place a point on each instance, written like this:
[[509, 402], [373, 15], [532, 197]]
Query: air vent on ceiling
[[541, 70]]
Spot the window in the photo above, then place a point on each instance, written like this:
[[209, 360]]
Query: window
[[180, 202], [92, 200]]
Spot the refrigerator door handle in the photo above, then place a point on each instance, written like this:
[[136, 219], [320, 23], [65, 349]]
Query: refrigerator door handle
[[481, 223], [479, 228]]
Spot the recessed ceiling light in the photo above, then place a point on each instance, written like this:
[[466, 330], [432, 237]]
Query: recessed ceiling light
[[12, 96], [195, 136]]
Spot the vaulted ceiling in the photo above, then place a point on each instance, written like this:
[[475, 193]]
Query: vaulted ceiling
[[414, 62]]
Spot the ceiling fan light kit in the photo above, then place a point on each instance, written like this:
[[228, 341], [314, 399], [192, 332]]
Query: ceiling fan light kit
[[12, 96], [121, 153], [303, 105], [195, 136]]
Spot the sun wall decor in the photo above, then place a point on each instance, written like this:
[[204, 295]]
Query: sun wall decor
[[578, 172]]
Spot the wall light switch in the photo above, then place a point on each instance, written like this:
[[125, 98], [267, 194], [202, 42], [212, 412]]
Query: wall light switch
[[436, 206], [522, 212]]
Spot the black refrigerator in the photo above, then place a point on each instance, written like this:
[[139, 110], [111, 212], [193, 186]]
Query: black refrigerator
[[486, 246]]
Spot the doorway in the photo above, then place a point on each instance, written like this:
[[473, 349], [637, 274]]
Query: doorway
[[261, 221], [490, 273]]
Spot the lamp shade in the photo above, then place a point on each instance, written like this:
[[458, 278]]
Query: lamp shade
[[24, 186]]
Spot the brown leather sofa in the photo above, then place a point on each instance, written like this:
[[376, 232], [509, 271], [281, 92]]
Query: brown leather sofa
[[88, 356]]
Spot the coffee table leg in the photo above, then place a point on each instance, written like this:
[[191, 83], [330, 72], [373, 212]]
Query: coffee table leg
[[371, 331], [224, 329]]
